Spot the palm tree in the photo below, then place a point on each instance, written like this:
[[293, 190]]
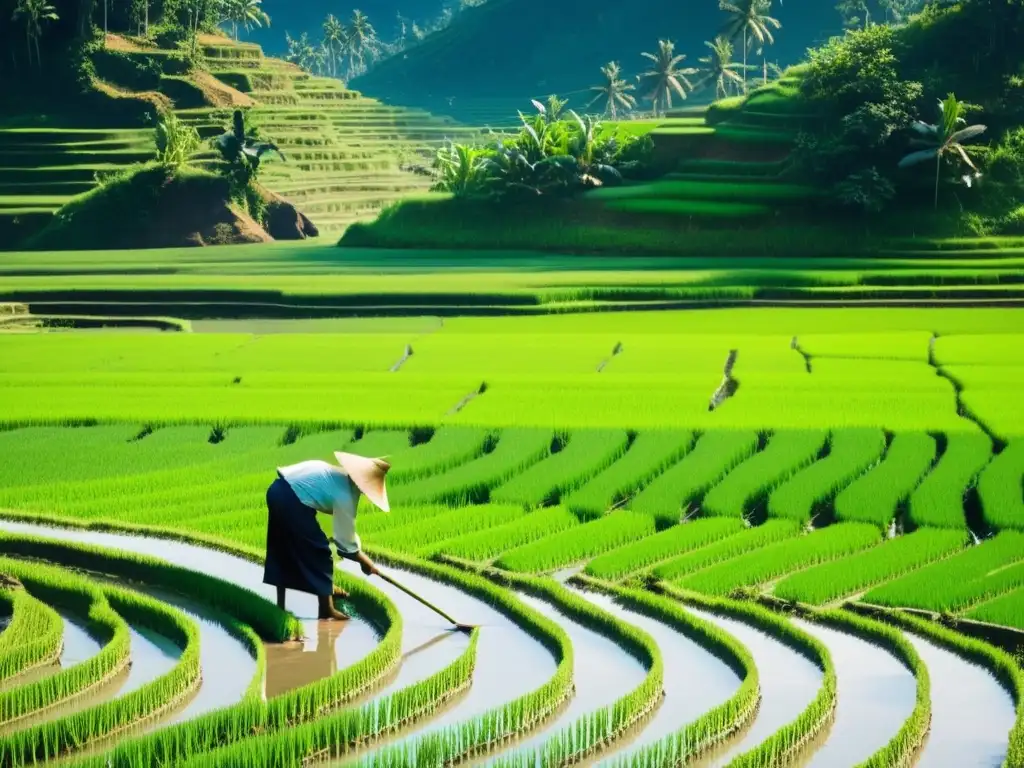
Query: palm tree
[[666, 77], [750, 19], [248, 13], [614, 90], [945, 138], [32, 13], [362, 40], [334, 39], [719, 67]]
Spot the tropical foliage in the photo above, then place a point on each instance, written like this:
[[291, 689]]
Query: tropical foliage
[[613, 92], [548, 156], [665, 76]]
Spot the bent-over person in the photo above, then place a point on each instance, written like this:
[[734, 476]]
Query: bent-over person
[[298, 552]]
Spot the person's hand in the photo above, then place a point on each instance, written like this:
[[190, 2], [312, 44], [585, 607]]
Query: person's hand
[[339, 592], [369, 569]]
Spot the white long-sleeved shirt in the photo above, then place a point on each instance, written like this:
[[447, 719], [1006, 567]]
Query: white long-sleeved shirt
[[326, 488]]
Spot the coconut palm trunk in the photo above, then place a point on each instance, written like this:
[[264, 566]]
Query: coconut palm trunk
[[744, 59]]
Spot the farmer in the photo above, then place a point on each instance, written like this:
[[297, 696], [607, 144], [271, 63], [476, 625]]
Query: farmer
[[298, 553]]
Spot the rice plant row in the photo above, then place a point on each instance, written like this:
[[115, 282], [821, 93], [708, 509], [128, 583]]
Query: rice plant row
[[746, 540], [958, 581], [1001, 664], [1007, 610], [891, 559], [579, 739], [778, 748], [78, 597], [669, 543], [760, 566], [939, 500], [72, 732], [424, 536], [718, 723], [786, 453], [804, 496], [876, 496], [488, 544], [516, 449], [586, 453], [649, 454], [682, 485], [32, 636], [579, 543], [1000, 489]]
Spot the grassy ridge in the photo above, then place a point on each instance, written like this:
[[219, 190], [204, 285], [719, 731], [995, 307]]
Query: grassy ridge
[[32, 636]]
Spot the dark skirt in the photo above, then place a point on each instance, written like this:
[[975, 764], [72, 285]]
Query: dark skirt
[[298, 552]]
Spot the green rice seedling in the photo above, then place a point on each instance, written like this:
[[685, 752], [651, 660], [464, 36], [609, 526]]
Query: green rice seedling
[[759, 192], [804, 496], [648, 455], [771, 532], [955, 582], [670, 493], [578, 543], [669, 543], [781, 745], [905, 345], [337, 734], [425, 536], [490, 355], [1002, 665], [516, 449], [999, 489], [448, 447], [267, 619], [487, 544], [32, 636], [876, 496], [939, 500], [754, 568], [48, 740], [713, 726], [373, 523], [587, 734], [889, 560], [786, 453], [902, 748], [975, 349], [586, 453], [1007, 610], [382, 442], [78, 597]]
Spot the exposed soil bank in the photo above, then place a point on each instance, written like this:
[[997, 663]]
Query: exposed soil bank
[[359, 637], [602, 672], [509, 662], [971, 712], [695, 680], [789, 682], [875, 696]]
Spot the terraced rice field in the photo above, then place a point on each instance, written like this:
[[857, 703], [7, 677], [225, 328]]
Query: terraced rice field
[[656, 582]]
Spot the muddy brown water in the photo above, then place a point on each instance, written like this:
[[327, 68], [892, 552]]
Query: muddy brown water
[[695, 680], [875, 696], [789, 682], [509, 662], [220, 651], [972, 714], [602, 671]]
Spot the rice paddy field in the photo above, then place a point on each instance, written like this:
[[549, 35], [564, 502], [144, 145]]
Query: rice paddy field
[[747, 537]]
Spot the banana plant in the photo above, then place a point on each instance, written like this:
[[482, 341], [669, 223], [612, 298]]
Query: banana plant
[[944, 138]]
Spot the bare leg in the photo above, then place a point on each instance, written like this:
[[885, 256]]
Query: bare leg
[[328, 611], [280, 598]]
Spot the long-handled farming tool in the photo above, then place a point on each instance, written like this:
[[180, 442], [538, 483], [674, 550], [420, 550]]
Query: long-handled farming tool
[[457, 625]]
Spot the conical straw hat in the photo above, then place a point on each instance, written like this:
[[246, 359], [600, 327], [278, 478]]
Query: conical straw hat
[[368, 475]]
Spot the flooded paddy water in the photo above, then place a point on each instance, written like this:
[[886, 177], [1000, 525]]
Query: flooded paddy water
[[509, 662], [603, 672], [695, 680], [789, 682], [972, 714], [875, 695]]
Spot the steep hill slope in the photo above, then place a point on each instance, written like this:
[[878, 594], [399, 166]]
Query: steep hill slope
[[512, 50]]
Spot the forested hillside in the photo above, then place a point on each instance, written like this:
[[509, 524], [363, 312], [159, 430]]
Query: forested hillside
[[517, 49]]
